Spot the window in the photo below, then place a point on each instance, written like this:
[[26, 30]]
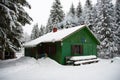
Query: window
[[77, 49]]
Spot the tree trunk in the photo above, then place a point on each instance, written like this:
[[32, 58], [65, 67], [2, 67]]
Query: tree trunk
[[3, 54]]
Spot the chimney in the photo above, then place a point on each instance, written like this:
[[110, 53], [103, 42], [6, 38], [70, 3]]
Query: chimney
[[54, 29]]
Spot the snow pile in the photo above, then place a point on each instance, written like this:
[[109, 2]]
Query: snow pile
[[27, 68], [116, 60], [20, 53], [47, 62], [15, 63], [11, 66]]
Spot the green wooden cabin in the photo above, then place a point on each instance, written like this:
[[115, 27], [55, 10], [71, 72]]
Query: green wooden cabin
[[76, 41]]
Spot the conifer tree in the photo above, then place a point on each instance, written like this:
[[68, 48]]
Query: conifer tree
[[42, 30], [56, 15], [88, 14], [71, 17], [12, 18], [72, 10], [104, 25], [79, 10], [35, 32], [117, 29], [79, 13]]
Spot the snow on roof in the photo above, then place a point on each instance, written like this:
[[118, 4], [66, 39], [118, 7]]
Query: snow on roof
[[53, 36], [56, 36]]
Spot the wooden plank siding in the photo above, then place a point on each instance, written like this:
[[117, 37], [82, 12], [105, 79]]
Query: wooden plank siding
[[89, 45], [56, 56]]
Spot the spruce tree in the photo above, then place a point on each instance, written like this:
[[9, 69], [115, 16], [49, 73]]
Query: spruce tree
[[42, 30], [88, 14], [104, 25], [79, 10], [49, 25], [56, 15], [67, 25], [72, 10], [12, 18], [35, 32], [117, 29], [71, 17], [79, 13]]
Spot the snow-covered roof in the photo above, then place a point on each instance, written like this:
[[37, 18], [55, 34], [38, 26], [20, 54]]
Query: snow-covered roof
[[53, 36]]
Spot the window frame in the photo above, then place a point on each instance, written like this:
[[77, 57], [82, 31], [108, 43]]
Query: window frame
[[77, 49]]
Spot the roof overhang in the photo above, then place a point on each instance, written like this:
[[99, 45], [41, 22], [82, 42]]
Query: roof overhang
[[44, 39]]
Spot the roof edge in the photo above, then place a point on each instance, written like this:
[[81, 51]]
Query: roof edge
[[88, 29], [74, 32], [94, 35]]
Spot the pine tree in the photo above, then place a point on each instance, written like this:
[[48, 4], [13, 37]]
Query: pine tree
[[12, 18], [35, 32], [42, 30], [88, 14], [72, 10], [67, 25], [71, 17], [79, 13], [79, 10], [49, 25], [104, 25], [56, 15], [117, 29]]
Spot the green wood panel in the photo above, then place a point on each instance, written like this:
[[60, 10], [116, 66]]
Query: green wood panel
[[89, 49], [57, 56], [82, 37], [66, 51]]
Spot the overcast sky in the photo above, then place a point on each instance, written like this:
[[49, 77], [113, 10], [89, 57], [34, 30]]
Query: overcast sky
[[40, 10]]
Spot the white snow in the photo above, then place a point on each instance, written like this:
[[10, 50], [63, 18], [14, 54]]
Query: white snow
[[20, 53], [26, 68], [86, 61], [82, 57], [56, 36]]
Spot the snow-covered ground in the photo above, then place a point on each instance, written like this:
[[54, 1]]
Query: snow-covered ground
[[26, 68]]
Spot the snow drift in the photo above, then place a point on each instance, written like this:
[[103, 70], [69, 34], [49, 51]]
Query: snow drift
[[27, 68]]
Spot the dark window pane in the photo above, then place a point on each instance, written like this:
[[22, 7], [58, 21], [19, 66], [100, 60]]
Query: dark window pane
[[77, 49]]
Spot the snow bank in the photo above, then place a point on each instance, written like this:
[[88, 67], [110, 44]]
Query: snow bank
[[48, 62], [18, 62], [11, 66], [116, 60], [27, 68], [20, 53]]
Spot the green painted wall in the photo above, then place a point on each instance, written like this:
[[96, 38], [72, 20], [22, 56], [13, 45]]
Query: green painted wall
[[57, 56], [89, 47]]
